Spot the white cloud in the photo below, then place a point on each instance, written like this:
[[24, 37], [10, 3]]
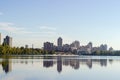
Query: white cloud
[[1, 13], [47, 31], [5, 24], [35, 36], [47, 28], [10, 27]]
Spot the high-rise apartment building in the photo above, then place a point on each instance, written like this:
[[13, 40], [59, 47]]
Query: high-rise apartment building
[[103, 47], [8, 41], [59, 44], [75, 44], [90, 45], [26, 46], [48, 46]]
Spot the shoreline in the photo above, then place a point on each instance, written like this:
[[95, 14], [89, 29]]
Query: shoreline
[[57, 55]]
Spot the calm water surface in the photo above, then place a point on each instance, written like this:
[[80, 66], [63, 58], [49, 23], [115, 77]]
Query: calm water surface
[[60, 68]]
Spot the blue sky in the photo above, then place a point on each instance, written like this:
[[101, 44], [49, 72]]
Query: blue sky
[[36, 21]]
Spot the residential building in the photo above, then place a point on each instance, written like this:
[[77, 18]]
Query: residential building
[[83, 50], [66, 48], [110, 49], [48, 46], [26, 46], [59, 44], [7, 41], [103, 47], [89, 47], [75, 44], [95, 49]]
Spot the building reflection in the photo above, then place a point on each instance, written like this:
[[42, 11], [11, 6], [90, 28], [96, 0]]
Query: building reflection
[[103, 62], [59, 61], [59, 64], [6, 65], [74, 63], [89, 63], [47, 63]]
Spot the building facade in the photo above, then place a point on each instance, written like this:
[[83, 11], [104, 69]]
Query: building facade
[[103, 47], [48, 46], [75, 44], [59, 44], [7, 41], [26, 46], [66, 47]]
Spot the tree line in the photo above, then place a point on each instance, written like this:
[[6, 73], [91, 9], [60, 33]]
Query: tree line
[[6, 50], [105, 53]]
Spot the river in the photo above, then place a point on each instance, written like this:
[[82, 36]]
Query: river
[[60, 68]]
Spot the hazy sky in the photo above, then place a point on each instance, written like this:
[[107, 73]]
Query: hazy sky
[[36, 21]]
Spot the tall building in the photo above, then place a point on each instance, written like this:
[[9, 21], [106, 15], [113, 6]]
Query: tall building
[[110, 49], [90, 45], [59, 44], [7, 41], [26, 46], [0, 38], [66, 47], [75, 44], [103, 47], [48, 46]]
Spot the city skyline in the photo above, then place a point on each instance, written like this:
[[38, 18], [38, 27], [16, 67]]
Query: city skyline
[[34, 22]]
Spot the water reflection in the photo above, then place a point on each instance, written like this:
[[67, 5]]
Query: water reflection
[[58, 61], [59, 64], [6, 65], [74, 63]]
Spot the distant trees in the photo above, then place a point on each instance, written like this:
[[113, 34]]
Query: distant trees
[[106, 53], [6, 50]]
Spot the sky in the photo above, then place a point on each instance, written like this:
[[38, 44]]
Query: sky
[[37, 21]]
